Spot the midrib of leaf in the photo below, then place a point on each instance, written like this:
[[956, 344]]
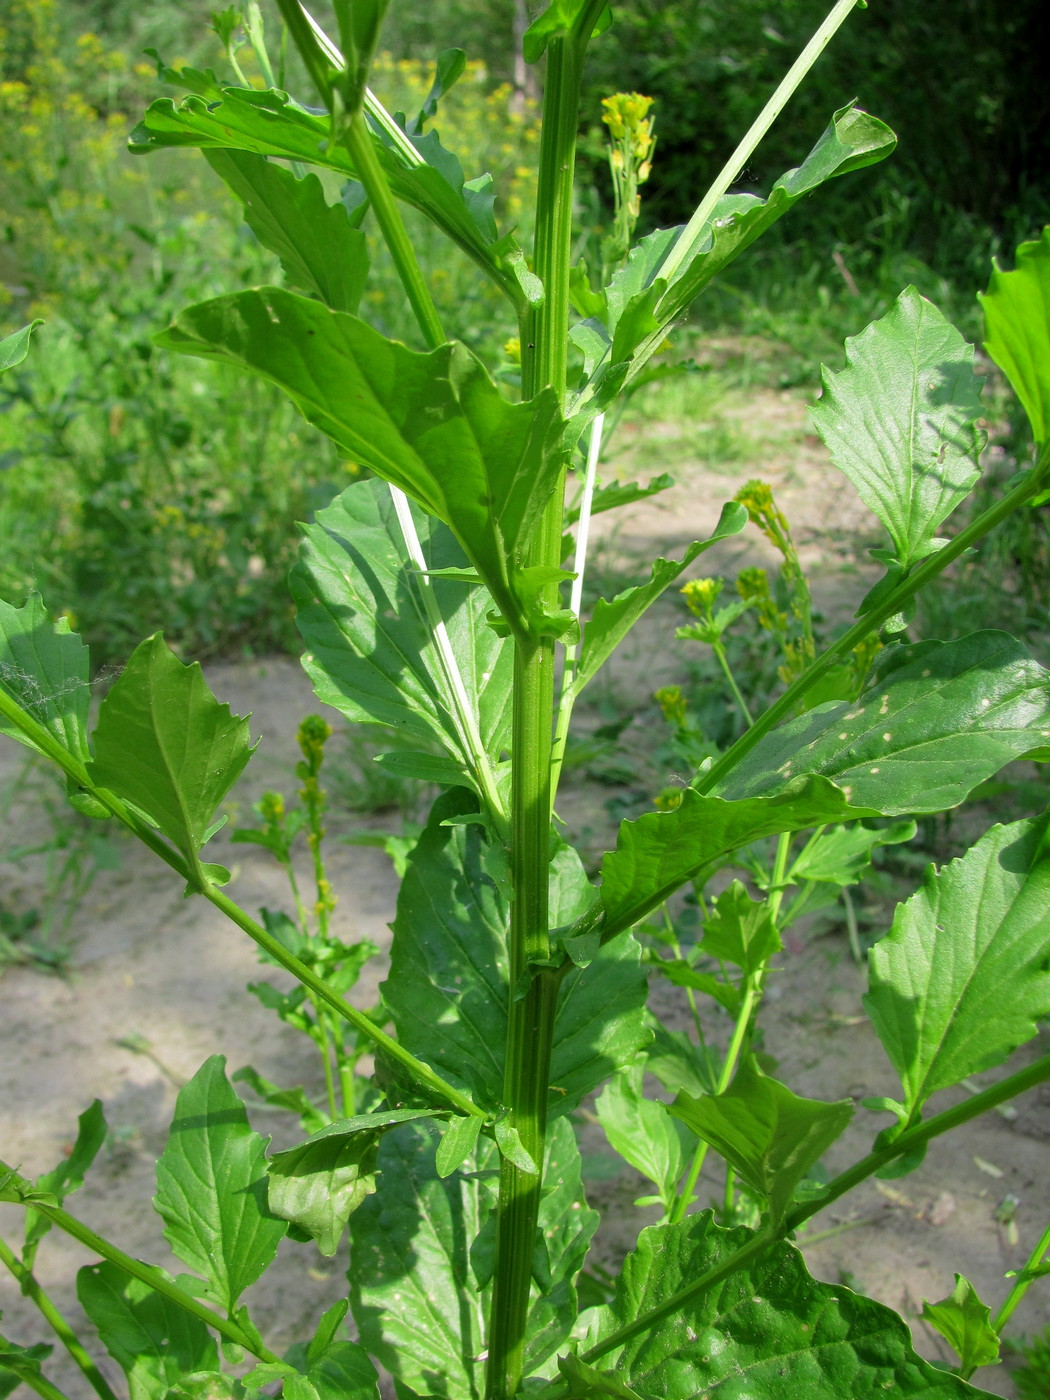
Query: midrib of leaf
[[176, 786]]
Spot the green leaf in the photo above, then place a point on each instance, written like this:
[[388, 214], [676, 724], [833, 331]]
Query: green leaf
[[329, 1369], [360, 23], [767, 1134], [740, 931], [659, 852], [586, 1381], [962, 977], [939, 718], [447, 989], [1017, 329], [411, 1288], [154, 1341], [611, 621], [842, 855], [555, 22], [682, 974], [68, 1176], [901, 421], [211, 1188], [458, 1141], [641, 1130], [165, 744], [295, 1100], [319, 249], [965, 1322], [317, 1185], [44, 669], [768, 1331], [14, 348], [623, 493], [432, 423], [678, 1064], [372, 655]]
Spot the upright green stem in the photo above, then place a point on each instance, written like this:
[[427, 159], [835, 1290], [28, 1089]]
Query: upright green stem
[[31, 1288], [1022, 1282], [530, 1016]]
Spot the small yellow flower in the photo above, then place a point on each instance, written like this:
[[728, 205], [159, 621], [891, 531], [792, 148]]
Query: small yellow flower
[[672, 703], [667, 799], [701, 594], [752, 584]]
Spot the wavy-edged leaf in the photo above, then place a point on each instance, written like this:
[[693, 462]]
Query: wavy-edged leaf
[[211, 1188], [963, 976], [767, 1134], [901, 421], [372, 655], [1017, 329], [319, 249], [769, 1330], [14, 348], [433, 424], [44, 669], [939, 718], [642, 305], [622, 493], [447, 989], [611, 621], [164, 743], [154, 1341], [965, 1322], [554, 22], [740, 930], [659, 852], [318, 1185]]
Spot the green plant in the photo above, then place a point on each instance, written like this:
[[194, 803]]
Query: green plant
[[516, 987]]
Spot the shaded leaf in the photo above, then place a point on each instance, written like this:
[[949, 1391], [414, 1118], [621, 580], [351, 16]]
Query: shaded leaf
[[317, 1185], [901, 421], [319, 249], [842, 855], [211, 1188], [769, 1330], [372, 655], [165, 744], [939, 718], [611, 621], [659, 852], [965, 1322], [1017, 329], [18, 1364], [330, 1368], [641, 1130], [458, 1141], [154, 1341], [963, 976], [433, 424], [14, 348], [767, 1134], [555, 22], [447, 988], [44, 669], [295, 1100], [741, 930]]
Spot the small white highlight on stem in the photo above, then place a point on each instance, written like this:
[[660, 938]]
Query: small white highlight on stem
[[463, 713]]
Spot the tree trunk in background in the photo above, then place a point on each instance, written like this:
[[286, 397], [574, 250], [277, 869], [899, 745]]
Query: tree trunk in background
[[525, 86]]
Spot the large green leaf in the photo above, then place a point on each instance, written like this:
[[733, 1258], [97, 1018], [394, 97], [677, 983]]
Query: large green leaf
[[433, 424], [1017, 329], [319, 249], [611, 621], [14, 348], [901, 421], [767, 1134], [44, 669], [211, 1188], [447, 989], [939, 718], [164, 743], [640, 305], [769, 1331], [659, 852], [154, 1341], [963, 976], [372, 655], [319, 1184]]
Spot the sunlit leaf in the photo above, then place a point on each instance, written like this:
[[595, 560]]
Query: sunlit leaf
[[319, 250], [164, 743], [963, 976], [556, 21], [641, 1130], [152, 1339], [14, 348], [767, 1134], [901, 421], [1017, 329], [68, 1176], [740, 930], [939, 718], [842, 854], [211, 1188], [44, 669], [964, 1321], [769, 1330]]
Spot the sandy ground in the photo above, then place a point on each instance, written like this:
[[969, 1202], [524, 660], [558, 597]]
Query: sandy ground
[[147, 961]]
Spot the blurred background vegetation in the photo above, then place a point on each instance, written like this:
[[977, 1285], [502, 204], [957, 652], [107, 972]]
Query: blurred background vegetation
[[142, 491]]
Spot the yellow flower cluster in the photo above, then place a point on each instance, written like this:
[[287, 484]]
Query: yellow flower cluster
[[672, 703], [701, 594], [627, 116]]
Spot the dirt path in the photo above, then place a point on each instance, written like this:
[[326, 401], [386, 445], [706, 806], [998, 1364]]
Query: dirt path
[[145, 961]]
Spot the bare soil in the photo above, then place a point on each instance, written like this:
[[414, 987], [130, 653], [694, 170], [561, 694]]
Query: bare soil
[[146, 961]]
